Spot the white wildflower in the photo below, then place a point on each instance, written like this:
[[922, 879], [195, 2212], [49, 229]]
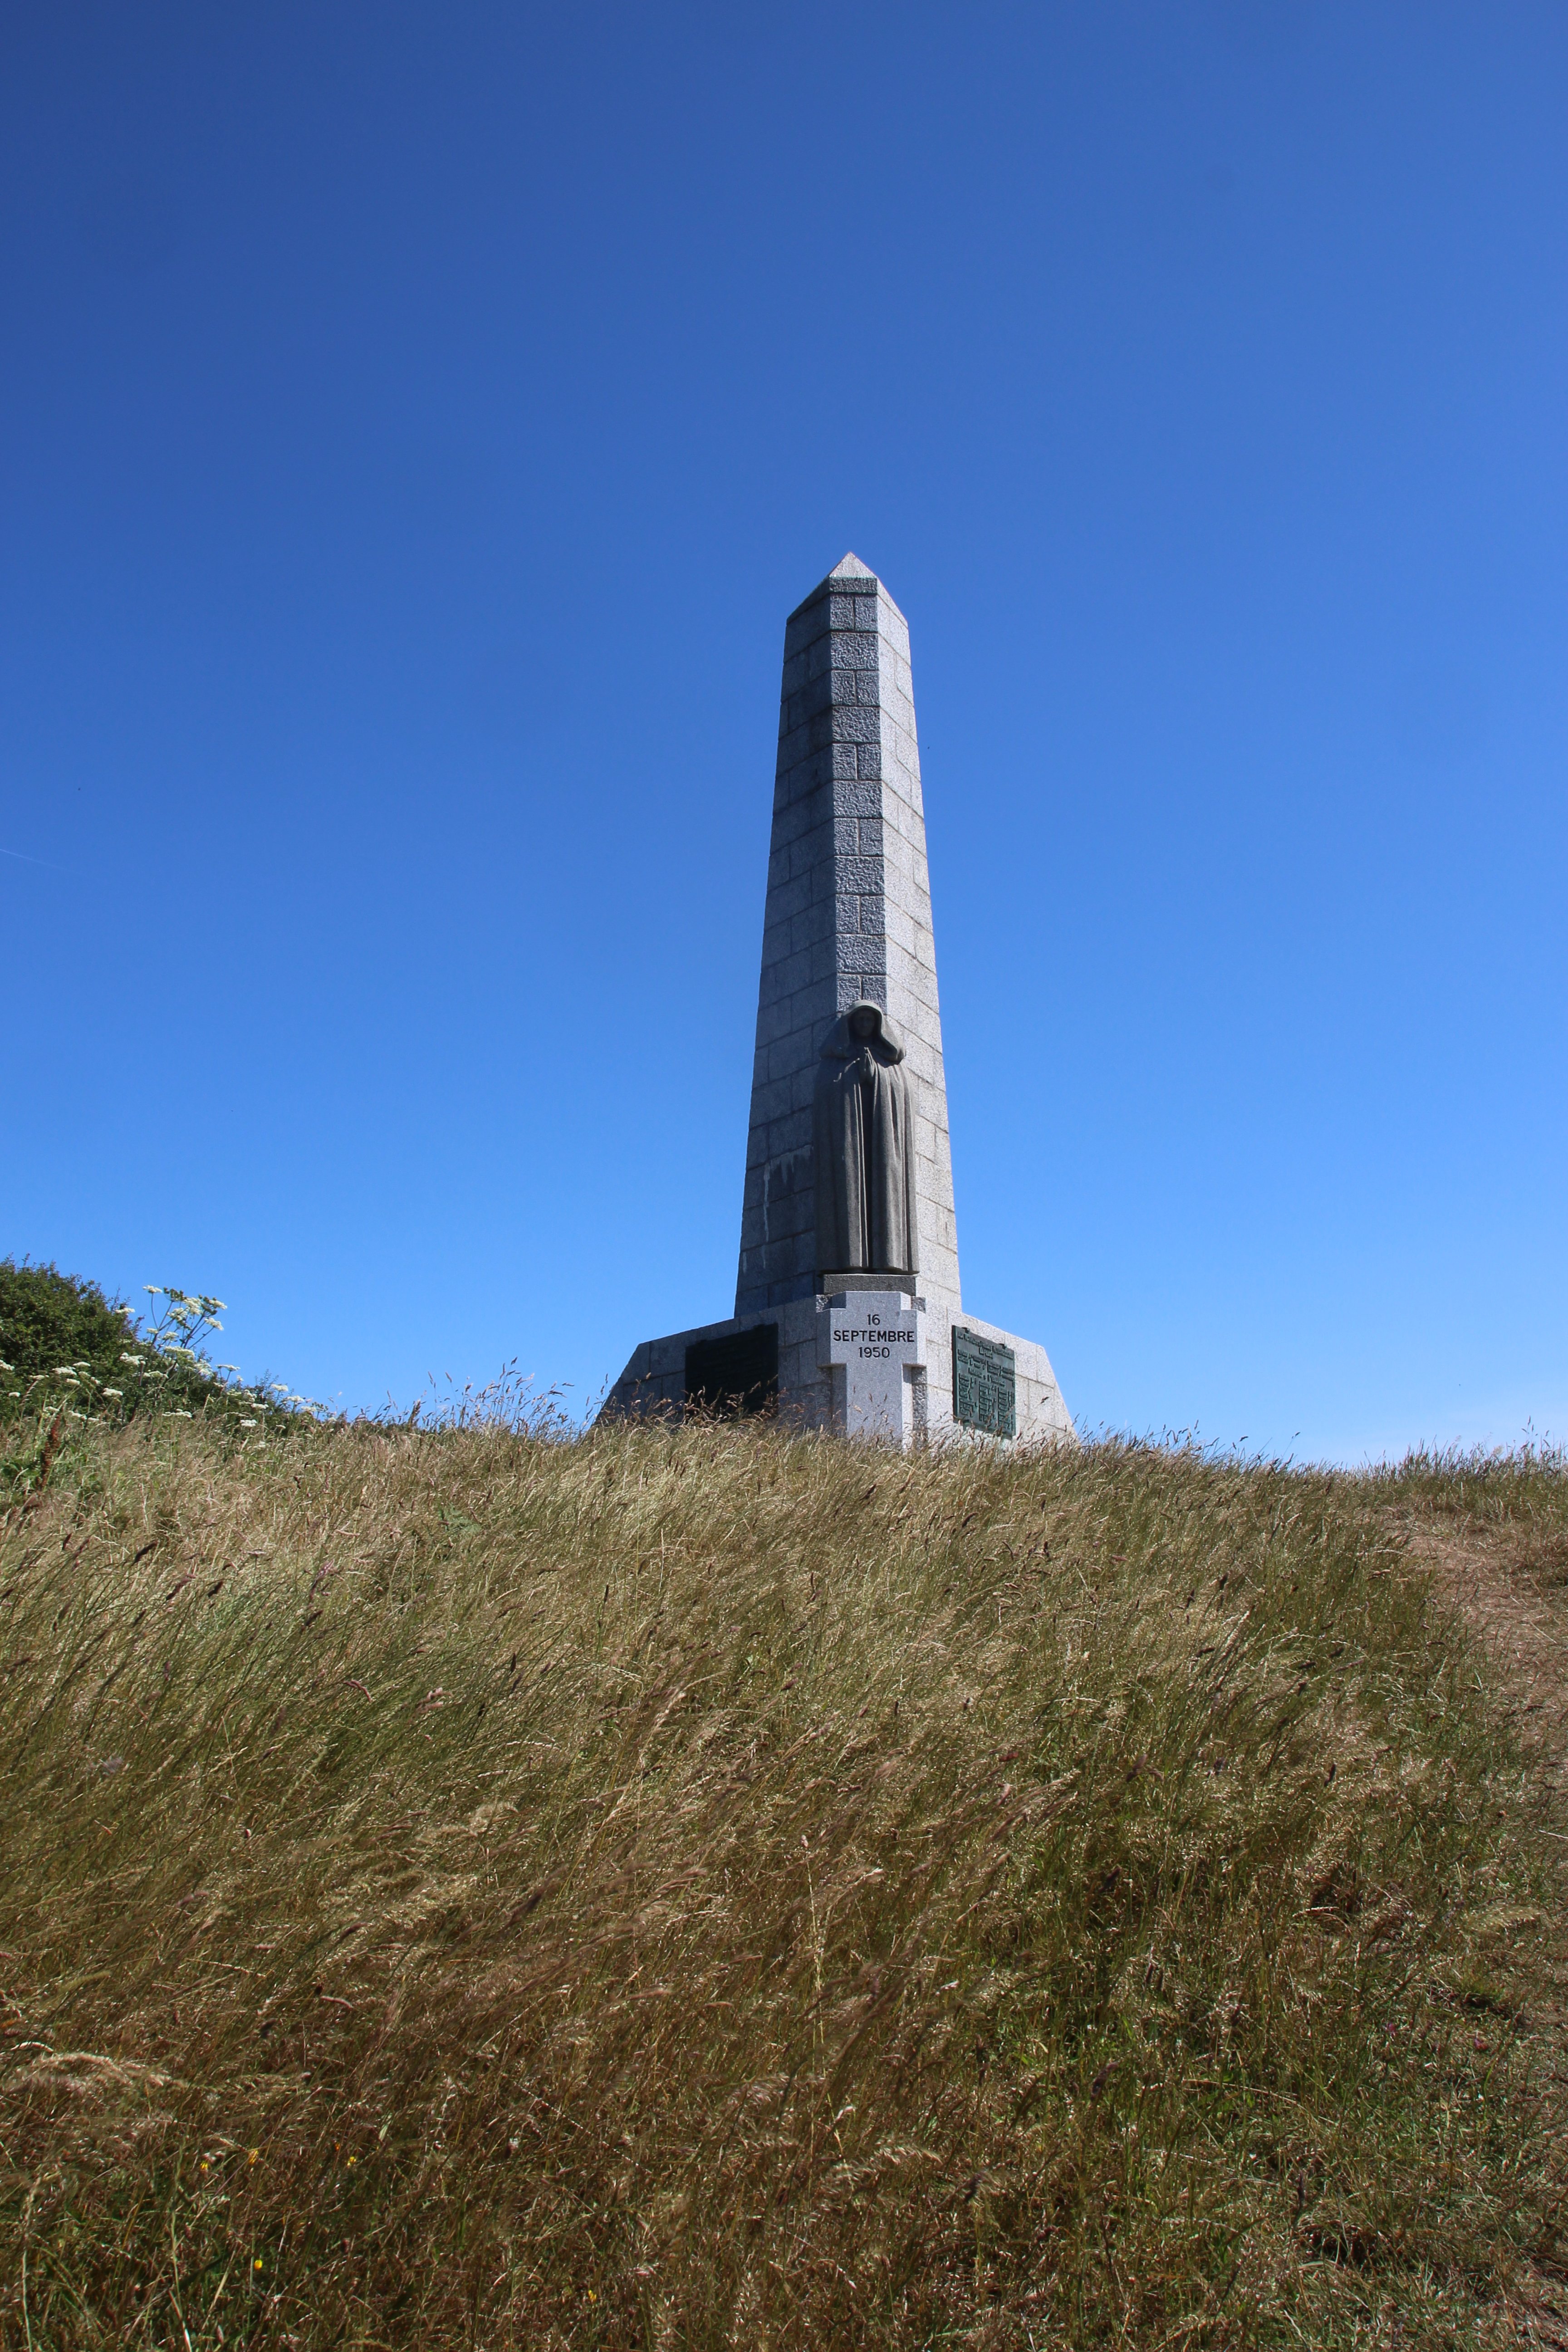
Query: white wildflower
[[248, 1424], [114, 1393]]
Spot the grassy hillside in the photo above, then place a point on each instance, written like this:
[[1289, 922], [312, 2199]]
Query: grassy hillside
[[702, 1888]]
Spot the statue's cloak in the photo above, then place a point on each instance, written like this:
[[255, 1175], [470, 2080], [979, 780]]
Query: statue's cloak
[[864, 1132]]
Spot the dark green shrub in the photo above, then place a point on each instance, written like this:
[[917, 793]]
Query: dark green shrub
[[52, 1322]]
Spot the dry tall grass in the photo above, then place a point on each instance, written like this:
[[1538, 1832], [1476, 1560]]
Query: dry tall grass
[[700, 1887]]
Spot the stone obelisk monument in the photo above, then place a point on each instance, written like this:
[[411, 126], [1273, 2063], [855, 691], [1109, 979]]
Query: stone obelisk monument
[[847, 1307]]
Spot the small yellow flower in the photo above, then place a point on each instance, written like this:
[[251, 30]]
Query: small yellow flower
[[253, 2155], [257, 2264]]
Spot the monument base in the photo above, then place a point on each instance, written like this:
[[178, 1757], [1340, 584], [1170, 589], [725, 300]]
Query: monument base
[[813, 1391]]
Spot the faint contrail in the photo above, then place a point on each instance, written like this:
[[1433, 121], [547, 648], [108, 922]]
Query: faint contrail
[[34, 861]]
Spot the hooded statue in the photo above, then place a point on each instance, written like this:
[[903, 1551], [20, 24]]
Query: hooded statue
[[865, 1148]]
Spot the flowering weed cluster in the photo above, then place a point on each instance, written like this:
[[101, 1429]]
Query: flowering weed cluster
[[71, 1358]]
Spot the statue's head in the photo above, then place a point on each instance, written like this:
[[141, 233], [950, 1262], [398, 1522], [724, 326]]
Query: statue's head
[[861, 1028]]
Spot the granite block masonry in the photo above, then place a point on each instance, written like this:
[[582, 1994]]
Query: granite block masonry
[[848, 946], [848, 919]]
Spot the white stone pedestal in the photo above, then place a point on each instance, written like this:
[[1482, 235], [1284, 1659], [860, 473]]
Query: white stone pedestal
[[873, 1344], [813, 1386]]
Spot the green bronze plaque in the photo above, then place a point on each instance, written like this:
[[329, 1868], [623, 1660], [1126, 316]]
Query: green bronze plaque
[[736, 1375], [985, 1384]]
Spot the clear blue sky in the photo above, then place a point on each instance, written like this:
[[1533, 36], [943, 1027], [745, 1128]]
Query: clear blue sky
[[415, 424]]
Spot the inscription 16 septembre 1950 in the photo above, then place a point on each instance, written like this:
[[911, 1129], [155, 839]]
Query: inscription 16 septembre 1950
[[874, 1339]]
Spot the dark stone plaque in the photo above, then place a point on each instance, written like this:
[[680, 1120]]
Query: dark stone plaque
[[736, 1375], [985, 1384]]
